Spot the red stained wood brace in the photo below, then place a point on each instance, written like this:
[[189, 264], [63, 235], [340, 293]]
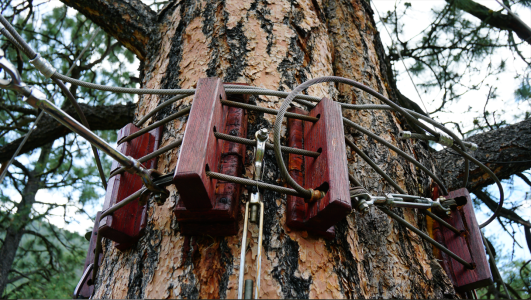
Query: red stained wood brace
[[327, 172], [209, 206], [468, 245], [126, 225], [85, 286]]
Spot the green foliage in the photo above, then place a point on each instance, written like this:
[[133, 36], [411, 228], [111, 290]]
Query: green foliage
[[66, 167], [47, 267]]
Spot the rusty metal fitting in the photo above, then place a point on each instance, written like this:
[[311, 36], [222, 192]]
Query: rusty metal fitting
[[316, 195], [363, 207]]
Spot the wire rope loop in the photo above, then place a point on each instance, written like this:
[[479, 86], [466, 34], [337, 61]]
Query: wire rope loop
[[305, 85]]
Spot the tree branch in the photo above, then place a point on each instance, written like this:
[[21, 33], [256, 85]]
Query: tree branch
[[505, 151], [131, 22], [102, 117], [494, 18]]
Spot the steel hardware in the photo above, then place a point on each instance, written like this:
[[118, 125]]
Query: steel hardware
[[254, 204], [36, 98]]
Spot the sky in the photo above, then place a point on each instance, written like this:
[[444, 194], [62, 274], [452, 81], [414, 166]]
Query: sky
[[417, 19]]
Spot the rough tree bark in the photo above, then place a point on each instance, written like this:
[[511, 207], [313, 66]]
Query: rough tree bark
[[276, 45]]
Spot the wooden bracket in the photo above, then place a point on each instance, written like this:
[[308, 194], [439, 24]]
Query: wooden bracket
[[468, 245], [209, 206], [85, 287], [328, 172], [126, 225]]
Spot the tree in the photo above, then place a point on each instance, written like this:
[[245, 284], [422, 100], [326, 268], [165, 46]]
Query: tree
[[55, 159], [277, 46]]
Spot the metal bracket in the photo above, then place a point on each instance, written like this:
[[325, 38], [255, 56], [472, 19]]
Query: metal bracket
[[254, 204]]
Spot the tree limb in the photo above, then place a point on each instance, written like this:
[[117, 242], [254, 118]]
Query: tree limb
[[504, 213], [103, 117], [505, 151], [131, 22], [494, 18]]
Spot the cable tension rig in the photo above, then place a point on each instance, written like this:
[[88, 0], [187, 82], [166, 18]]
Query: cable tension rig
[[210, 168]]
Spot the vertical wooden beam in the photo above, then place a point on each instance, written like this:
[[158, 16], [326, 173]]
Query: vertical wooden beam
[[327, 172], [85, 291], [222, 218], [126, 225], [468, 245], [200, 150], [296, 207]]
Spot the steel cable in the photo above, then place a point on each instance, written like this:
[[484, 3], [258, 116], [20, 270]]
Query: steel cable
[[494, 177], [398, 151], [153, 154], [427, 119], [305, 85], [374, 166], [85, 122], [259, 184], [268, 110], [10, 33], [159, 107], [426, 237], [121, 89], [236, 139], [176, 115]]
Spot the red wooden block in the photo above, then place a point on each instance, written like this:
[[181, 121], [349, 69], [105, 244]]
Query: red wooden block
[[221, 220], [127, 224], [86, 289], [200, 150], [296, 206], [327, 172], [468, 246]]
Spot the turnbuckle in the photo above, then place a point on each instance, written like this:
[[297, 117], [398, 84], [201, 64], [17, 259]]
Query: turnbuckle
[[254, 204], [397, 200]]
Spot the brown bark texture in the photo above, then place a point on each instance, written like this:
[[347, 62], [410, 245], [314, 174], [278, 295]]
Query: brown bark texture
[[505, 151], [277, 45]]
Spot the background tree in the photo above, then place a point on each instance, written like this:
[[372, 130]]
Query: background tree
[[33, 252], [273, 45]]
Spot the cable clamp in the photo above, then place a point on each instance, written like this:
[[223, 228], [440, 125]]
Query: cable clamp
[[403, 135], [472, 146], [445, 140], [43, 66]]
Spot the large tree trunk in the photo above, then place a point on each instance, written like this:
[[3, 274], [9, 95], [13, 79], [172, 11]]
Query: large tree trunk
[[277, 45]]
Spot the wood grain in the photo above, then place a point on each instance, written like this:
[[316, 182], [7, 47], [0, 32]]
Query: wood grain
[[328, 170], [468, 246], [200, 150], [88, 287], [296, 206], [127, 224], [221, 219]]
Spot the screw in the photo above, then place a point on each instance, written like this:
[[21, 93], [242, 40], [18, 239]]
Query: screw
[[223, 200]]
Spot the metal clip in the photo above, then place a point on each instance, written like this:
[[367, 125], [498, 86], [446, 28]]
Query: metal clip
[[43, 66], [254, 203], [404, 135]]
